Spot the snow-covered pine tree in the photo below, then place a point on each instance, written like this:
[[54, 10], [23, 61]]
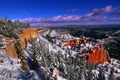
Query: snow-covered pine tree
[[111, 75], [21, 55], [82, 68], [101, 75], [90, 74], [9, 29], [41, 54]]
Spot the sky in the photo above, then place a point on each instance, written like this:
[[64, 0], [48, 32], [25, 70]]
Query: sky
[[62, 12]]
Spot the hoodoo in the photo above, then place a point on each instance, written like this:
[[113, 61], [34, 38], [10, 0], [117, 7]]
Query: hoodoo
[[96, 53], [99, 55]]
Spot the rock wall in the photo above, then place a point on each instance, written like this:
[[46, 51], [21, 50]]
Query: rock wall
[[11, 51], [97, 55], [28, 34]]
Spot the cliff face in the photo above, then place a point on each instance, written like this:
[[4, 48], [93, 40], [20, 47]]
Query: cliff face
[[97, 55], [11, 51], [74, 42], [70, 43], [28, 34]]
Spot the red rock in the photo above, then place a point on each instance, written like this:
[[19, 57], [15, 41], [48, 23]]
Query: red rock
[[98, 55], [28, 34]]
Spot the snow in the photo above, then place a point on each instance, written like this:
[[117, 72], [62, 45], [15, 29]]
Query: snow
[[10, 68], [53, 33], [60, 78], [46, 32], [66, 36], [52, 47], [13, 71]]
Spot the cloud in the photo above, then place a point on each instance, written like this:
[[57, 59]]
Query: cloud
[[65, 20], [96, 16], [60, 18], [96, 12], [73, 10], [115, 19], [116, 13]]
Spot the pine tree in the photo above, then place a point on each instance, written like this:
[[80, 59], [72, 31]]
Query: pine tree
[[82, 69], [90, 74], [111, 76], [101, 75], [21, 55], [7, 29]]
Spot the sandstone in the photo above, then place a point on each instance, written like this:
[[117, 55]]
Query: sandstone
[[28, 34]]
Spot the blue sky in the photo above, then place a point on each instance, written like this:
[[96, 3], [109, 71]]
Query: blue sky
[[62, 11]]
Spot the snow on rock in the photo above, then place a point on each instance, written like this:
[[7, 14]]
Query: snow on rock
[[9, 67], [50, 33], [45, 33], [60, 78], [53, 33], [66, 36], [52, 47], [107, 67], [10, 70]]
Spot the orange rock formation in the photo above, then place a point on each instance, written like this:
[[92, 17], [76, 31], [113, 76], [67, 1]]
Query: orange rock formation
[[70, 43], [98, 55], [28, 34], [74, 42], [10, 50]]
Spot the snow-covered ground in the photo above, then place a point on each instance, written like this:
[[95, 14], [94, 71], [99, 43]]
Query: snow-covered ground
[[10, 68]]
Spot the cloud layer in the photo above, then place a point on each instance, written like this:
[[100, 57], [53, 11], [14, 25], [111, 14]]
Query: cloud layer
[[105, 15], [97, 12]]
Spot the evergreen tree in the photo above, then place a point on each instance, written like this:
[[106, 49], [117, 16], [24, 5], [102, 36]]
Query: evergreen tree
[[101, 75], [82, 69], [111, 76], [90, 74], [22, 56], [7, 29]]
